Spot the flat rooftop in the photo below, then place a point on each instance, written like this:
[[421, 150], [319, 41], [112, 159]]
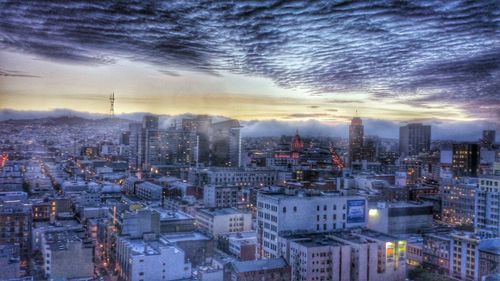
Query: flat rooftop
[[171, 215], [220, 211], [313, 243], [185, 236], [258, 265]]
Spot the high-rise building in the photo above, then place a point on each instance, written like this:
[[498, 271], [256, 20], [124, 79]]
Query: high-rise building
[[487, 210], [150, 122], [225, 144], [369, 150], [414, 139], [135, 142], [356, 133], [125, 138], [201, 126], [465, 160], [151, 145], [489, 137], [177, 147]]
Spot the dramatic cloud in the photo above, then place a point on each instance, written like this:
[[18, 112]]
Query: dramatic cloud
[[416, 52], [14, 73]]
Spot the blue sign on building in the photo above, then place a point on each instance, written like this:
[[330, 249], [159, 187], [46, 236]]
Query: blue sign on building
[[356, 211]]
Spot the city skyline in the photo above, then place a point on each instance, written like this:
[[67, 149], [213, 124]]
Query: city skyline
[[323, 61], [276, 140]]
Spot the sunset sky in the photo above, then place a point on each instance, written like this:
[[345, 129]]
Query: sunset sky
[[255, 60]]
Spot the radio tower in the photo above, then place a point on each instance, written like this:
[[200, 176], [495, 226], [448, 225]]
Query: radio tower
[[112, 105]]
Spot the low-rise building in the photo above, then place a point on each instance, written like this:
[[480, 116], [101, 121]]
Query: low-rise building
[[225, 220], [150, 259], [400, 217], [489, 259], [270, 270], [149, 191], [67, 254], [218, 196], [298, 210], [10, 262], [198, 247], [358, 254], [454, 254]]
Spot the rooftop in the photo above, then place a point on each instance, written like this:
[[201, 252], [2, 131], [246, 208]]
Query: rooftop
[[258, 265], [184, 236], [220, 211]]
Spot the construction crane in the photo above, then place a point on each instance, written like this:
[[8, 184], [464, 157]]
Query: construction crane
[[336, 160]]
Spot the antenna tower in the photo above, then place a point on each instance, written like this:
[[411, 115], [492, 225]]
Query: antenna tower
[[112, 105]]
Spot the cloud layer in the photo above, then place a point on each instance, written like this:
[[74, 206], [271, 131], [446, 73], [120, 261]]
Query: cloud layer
[[457, 131], [418, 52]]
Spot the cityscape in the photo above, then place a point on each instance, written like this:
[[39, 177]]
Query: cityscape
[[249, 141]]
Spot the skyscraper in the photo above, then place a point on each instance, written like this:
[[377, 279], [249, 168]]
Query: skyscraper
[[135, 142], [414, 138], [465, 161], [150, 122], [200, 125], [489, 137], [150, 136], [225, 144], [356, 133]]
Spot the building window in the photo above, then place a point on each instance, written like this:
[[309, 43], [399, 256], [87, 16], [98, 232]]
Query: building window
[[284, 209]]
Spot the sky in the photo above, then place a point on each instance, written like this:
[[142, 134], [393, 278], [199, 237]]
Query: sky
[[258, 61]]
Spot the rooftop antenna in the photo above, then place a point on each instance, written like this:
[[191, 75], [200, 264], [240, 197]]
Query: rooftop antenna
[[112, 105]]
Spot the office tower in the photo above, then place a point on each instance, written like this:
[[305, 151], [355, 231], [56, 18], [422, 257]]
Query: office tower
[[458, 196], [414, 138], [150, 122], [177, 146], [369, 150], [465, 160], [125, 138], [151, 145], [489, 138], [487, 211], [200, 125], [225, 144], [135, 142], [356, 132], [278, 212], [15, 225]]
